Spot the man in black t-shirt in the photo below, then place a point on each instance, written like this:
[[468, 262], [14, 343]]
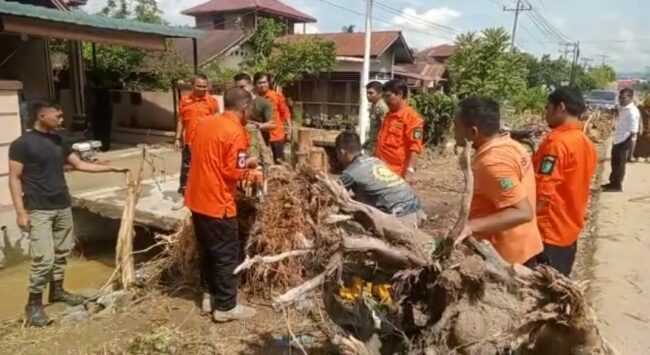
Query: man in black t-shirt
[[42, 202]]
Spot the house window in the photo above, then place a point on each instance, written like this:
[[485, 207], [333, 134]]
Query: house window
[[218, 22]]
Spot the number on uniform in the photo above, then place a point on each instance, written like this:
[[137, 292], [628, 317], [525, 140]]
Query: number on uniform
[[241, 159], [547, 165]]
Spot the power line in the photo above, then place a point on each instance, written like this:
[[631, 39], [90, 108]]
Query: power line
[[533, 36], [547, 24], [543, 25], [603, 58], [586, 62], [401, 14], [383, 21], [518, 8]]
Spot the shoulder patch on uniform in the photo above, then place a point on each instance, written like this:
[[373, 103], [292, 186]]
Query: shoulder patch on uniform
[[547, 165], [506, 184], [417, 133], [241, 159]]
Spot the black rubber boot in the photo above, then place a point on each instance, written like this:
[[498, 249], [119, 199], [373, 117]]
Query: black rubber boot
[[58, 294], [34, 311]]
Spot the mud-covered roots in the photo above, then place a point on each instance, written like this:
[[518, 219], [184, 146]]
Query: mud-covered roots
[[443, 299], [308, 238]]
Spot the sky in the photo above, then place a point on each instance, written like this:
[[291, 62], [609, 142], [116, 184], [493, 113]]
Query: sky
[[619, 30]]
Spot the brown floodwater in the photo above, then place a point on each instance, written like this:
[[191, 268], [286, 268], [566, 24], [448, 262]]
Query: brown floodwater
[[81, 274]]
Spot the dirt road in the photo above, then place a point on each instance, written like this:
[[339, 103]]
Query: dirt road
[[621, 286]]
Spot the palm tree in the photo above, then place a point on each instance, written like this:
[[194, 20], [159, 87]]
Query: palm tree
[[348, 29]]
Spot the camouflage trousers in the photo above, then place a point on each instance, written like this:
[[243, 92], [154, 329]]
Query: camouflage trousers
[[50, 242]]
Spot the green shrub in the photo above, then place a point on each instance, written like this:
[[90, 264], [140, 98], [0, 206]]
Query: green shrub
[[437, 111], [531, 100]]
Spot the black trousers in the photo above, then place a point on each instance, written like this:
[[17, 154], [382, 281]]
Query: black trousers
[[186, 159], [277, 148], [619, 159], [537, 260], [561, 258], [220, 253]]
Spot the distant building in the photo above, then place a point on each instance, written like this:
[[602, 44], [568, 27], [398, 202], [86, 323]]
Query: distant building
[[337, 92], [429, 71], [229, 24]]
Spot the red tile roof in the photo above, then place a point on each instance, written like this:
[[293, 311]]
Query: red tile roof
[[352, 44], [213, 44], [274, 7], [443, 50]]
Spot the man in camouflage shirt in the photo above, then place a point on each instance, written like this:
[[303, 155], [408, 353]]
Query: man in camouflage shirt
[[377, 111], [374, 184]]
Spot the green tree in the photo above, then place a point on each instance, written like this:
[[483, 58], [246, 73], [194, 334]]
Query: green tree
[[348, 28], [137, 69], [218, 74], [546, 71], [288, 61], [437, 110], [603, 76], [485, 65], [530, 100]]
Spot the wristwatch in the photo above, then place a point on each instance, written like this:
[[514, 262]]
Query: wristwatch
[[410, 169]]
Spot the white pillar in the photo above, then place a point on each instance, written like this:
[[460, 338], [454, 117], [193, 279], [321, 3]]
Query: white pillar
[[365, 76]]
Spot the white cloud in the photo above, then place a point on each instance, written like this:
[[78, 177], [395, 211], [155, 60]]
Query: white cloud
[[419, 28]]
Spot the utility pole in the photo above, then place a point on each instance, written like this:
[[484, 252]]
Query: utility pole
[[568, 48], [586, 62], [603, 58], [519, 8], [365, 76], [574, 64]]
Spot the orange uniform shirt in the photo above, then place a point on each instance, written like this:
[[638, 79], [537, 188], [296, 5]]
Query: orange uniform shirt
[[400, 134], [219, 156], [565, 163], [504, 176], [281, 114], [193, 110]]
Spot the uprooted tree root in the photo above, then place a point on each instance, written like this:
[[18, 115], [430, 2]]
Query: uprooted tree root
[[464, 300], [309, 235]]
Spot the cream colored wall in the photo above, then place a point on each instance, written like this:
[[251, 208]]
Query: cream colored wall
[[10, 123], [156, 111]]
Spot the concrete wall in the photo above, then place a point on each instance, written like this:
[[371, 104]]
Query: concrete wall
[[154, 110], [10, 123], [229, 21], [236, 56], [149, 120], [27, 63]]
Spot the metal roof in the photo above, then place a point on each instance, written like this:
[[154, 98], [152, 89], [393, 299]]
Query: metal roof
[[214, 44], [443, 50], [270, 6], [80, 18], [352, 44]]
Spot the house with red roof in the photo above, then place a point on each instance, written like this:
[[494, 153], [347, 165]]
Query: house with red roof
[[229, 24], [337, 92]]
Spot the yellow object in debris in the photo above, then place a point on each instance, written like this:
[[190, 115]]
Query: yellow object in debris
[[382, 292]]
